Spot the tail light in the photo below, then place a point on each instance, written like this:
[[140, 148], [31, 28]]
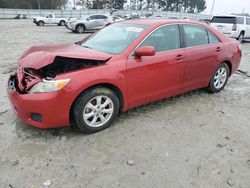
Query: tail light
[[234, 27]]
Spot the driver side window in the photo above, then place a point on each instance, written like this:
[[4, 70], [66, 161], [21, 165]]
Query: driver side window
[[164, 38]]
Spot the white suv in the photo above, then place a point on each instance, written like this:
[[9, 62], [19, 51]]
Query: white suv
[[234, 26]]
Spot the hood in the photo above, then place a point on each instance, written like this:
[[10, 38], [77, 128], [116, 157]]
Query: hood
[[39, 56]]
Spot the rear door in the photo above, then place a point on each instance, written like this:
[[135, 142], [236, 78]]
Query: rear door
[[154, 77], [92, 22], [202, 51], [102, 21], [247, 33], [224, 23]]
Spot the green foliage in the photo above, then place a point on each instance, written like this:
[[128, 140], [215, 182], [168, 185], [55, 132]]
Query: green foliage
[[191, 6]]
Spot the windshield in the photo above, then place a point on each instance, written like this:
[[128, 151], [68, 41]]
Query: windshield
[[114, 38]]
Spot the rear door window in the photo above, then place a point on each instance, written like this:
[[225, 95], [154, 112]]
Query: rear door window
[[102, 17], [248, 21], [195, 35], [212, 38], [226, 20], [240, 20]]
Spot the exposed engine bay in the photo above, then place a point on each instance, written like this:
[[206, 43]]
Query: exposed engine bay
[[24, 78]]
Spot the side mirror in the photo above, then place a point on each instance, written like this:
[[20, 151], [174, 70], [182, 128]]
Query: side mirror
[[88, 19], [145, 51]]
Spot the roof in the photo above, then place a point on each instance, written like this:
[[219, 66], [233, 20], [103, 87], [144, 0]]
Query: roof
[[158, 22]]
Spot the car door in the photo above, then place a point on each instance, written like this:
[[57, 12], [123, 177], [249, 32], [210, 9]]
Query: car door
[[102, 21], [49, 19], [150, 78], [247, 32], [92, 22], [202, 51]]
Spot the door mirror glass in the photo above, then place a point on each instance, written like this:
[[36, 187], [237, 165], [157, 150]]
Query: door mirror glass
[[145, 51]]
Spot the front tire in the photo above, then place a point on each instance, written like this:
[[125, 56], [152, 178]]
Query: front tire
[[80, 28], [95, 110], [219, 78], [62, 23]]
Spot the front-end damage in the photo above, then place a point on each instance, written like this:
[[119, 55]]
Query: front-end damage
[[25, 78]]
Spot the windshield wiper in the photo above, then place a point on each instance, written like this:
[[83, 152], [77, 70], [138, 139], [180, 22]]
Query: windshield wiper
[[87, 47]]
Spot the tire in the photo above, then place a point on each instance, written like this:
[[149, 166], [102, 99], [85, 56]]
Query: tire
[[80, 28], [219, 78], [95, 110], [62, 23], [241, 37], [40, 23]]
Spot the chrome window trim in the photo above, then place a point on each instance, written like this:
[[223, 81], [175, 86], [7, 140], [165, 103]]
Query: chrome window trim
[[131, 54], [178, 24]]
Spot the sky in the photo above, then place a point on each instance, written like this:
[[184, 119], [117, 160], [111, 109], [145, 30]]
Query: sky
[[228, 6]]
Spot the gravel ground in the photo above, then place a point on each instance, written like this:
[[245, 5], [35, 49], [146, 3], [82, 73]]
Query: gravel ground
[[193, 140]]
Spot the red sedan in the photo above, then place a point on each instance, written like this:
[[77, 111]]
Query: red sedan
[[122, 66]]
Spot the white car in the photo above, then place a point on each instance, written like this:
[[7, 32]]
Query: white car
[[49, 19], [89, 22], [237, 27]]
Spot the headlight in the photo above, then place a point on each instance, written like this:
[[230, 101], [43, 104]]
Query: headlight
[[49, 86]]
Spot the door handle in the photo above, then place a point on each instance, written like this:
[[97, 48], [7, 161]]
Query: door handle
[[218, 49], [179, 57]]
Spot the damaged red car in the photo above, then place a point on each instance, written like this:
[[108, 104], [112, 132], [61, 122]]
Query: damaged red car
[[122, 66]]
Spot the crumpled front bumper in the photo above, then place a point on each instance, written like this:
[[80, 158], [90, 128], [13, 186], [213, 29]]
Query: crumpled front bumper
[[53, 108]]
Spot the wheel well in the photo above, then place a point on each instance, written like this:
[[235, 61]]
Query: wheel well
[[61, 21], [107, 85], [81, 25], [229, 64]]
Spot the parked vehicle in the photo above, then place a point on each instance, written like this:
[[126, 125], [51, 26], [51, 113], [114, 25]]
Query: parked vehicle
[[117, 18], [49, 19], [19, 16], [90, 22], [122, 66], [207, 21], [237, 27]]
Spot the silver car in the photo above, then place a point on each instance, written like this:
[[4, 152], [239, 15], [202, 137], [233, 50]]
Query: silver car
[[90, 22]]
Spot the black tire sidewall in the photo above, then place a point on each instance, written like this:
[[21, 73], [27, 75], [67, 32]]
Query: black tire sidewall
[[78, 27], [82, 101], [62, 23], [42, 23], [212, 88]]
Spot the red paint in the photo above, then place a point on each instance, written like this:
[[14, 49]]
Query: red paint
[[140, 79]]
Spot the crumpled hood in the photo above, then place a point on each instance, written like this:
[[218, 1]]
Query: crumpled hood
[[39, 56]]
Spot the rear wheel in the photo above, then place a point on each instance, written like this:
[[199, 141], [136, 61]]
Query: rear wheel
[[219, 78], [80, 29], [95, 109], [62, 23], [241, 37]]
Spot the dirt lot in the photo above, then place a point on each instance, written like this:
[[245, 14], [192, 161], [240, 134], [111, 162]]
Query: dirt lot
[[193, 140]]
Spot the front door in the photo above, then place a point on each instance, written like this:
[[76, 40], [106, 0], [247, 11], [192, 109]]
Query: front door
[[155, 77]]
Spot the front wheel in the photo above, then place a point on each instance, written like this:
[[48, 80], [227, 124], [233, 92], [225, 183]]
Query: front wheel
[[95, 110], [219, 78], [80, 29]]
